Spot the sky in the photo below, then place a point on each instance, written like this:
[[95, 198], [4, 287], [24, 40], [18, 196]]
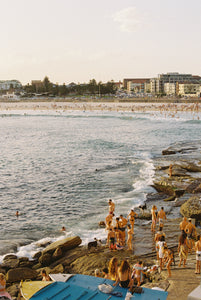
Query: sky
[[78, 40]]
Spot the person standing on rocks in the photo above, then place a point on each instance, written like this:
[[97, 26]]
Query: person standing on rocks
[[183, 224], [170, 170], [153, 216], [191, 232], [198, 254], [161, 217], [111, 206], [130, 237], [131, 217], [183, 249]]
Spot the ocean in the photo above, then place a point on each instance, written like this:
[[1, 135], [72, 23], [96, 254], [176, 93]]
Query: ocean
[[60, 168]]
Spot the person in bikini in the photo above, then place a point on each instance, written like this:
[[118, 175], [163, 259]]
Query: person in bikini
[[3, 292], [123, 223], [153, 217], [198, 254], [168, 258], [130, 237], [124, 275], [45, 276], [131, 217], [138, 272], [111, 206], [113, 269]]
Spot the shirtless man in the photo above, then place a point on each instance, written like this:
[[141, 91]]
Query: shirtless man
[[162, 217], [131, 217], [111, 206], [198, 254], [191, 232], [183, 224]]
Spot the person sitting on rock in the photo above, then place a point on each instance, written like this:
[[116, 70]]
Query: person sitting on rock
[[45, 276], [3, 292]]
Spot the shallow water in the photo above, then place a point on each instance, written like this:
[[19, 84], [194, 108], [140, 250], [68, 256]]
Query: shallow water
[[60, 169]]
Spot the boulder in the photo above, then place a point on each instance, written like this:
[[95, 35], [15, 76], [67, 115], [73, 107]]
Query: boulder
[[58, 269], [45, 259], [64, 245], [194, 186], [13, 290], [10, 262], [192, 208], [18, 274]]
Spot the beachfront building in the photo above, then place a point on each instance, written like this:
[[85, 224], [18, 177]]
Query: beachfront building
[[136, 85], [170, 88], [188, 89], [158, 84], [9, 84], [11, 96]]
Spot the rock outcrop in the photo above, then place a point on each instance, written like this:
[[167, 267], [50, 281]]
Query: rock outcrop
[[192, 208], [63, 245]]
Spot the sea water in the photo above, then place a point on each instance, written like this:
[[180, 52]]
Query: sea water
[[60, 168]]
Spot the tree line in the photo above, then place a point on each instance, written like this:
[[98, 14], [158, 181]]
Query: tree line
[[91, 88]]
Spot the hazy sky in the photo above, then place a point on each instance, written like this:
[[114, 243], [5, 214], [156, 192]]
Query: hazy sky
[[77, 40]]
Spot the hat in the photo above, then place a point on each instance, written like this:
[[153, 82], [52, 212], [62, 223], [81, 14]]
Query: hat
[[189, 219]]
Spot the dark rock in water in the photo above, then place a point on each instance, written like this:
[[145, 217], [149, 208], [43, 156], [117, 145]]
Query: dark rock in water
[[168, 152], [18, 274], [156, 196], [102, 224], [183, 147], [192, 208]]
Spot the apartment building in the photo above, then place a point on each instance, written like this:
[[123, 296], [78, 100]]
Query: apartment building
[[188, 88], [159, 85], [170, 88]]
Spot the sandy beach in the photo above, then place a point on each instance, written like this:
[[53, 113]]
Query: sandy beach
[[171, 108]]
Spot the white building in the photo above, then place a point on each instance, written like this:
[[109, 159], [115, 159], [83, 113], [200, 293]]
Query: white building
[[189, 89], [170, 88], [11, 96], [8, 84]]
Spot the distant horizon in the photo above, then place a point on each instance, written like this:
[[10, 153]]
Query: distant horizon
[[76, 41], [120, 80]]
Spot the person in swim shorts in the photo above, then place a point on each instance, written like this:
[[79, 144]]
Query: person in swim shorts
[[161, 217]]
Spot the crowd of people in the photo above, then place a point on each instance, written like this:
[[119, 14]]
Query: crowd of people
[[188, 239]]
